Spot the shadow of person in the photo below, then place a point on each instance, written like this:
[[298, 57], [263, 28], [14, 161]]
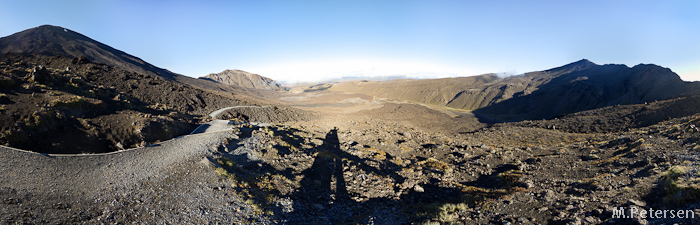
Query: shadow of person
[[323, 184], [323, 198]]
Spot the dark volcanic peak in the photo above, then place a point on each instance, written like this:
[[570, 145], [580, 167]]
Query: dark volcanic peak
[[244, 79], [580, 65], [583, 63], [592, 88], [59, 41]]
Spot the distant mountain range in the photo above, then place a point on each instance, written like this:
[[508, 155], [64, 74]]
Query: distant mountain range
[[574, 87]]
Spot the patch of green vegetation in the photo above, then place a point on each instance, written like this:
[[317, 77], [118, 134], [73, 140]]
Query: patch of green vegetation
[[90, 94], [237, 120], [435, 165], [44, 87], [41, 119], [225, 162], [445, 213], [631, 148], [590, 157], [14, 137], [77, 102], [285, 140], [318, 87], [637, 143], [225, 174], [257, 209], [7, 83], [510, 177], [258, 190], [680, 189]]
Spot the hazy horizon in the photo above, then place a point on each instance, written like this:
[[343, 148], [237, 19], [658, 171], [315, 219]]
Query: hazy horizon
[[313, 41]]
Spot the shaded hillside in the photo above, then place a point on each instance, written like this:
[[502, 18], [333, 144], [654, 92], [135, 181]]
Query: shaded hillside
[[575, 87], [460, 92], [620, 117], [244, 79], [593, 88]]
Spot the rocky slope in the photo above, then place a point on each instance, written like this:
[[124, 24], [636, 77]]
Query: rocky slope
[[244, 79], [62, 92], [55, 104], [575, 87]]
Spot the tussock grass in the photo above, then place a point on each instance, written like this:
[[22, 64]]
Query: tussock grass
[[445, 213], [680, 187]]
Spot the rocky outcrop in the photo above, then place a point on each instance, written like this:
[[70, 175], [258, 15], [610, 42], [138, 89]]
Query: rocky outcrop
[[244, 79]]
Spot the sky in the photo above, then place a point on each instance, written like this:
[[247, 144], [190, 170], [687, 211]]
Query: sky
[[306, 41]]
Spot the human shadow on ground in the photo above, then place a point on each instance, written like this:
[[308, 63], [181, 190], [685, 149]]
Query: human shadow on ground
[[329, 192], [323, 197]]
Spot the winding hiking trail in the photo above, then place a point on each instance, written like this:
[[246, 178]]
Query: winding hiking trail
[[217, 112], [93, 174]]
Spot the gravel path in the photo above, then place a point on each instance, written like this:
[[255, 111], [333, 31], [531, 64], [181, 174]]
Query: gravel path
[[217, 112], [94, 173], [22, 169], [87, 173], [213, 126], [95, 177]]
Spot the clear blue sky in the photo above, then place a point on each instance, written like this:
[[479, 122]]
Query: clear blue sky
[[307, 40]]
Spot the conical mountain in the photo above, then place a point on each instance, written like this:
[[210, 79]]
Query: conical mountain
[[58, 41]]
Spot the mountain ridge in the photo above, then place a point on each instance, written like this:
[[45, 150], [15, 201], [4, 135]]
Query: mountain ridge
[[244, 79], [574, 87]]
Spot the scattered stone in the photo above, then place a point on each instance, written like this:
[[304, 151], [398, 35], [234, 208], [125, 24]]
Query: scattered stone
[[549, 196], [637, 203], [418, 188], [576, 221]]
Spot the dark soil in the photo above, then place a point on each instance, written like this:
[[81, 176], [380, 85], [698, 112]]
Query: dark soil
[[273, 114]]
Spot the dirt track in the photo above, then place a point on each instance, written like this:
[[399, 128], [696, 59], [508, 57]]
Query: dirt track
[[91, 172], [35, 180]]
